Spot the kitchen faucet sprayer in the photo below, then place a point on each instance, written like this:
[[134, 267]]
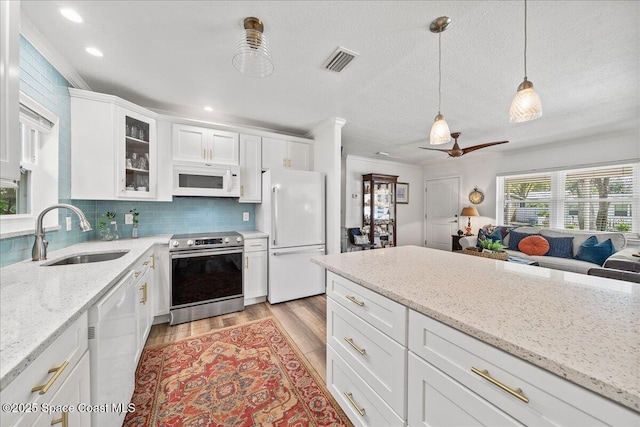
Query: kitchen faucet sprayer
[[39, 251]]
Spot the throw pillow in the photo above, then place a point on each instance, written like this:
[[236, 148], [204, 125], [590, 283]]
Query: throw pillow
[[560, 247], [592, 251], [534, 245], [514, 239]]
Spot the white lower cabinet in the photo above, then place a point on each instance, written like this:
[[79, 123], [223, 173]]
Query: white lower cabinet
[[161, 281], [255, 270], [366, 353], [144, 272], [479, 382], [436, 399], [68, 406], [60, 375]]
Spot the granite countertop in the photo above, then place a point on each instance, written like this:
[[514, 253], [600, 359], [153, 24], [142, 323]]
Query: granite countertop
[[38, 303], [583, 328], [254, 234]]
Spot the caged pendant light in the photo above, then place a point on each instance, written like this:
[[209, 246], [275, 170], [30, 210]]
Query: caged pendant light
[[526, 105], [440, 133], [252, 56]]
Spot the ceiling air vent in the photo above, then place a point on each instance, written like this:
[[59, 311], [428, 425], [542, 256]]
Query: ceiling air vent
[[339, 59]]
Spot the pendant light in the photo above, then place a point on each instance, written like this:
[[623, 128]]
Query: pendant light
[[440, 133], [526, 105], [252, 56]]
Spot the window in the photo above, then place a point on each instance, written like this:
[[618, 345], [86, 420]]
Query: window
[[604, 198], [37, 186]]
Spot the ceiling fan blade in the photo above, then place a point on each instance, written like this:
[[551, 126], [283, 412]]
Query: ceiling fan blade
[[436, 149], [479, 146]]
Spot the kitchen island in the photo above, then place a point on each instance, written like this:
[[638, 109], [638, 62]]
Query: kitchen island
[[584, 329]]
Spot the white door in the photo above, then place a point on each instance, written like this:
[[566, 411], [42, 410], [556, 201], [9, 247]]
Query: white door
[[274, 153], [442, 205], [250, 169], [297, 208], [292, 275], [224, 147], [190, 143], [299, 156]]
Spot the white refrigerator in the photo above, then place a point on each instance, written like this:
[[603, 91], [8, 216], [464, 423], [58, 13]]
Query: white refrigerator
[[292, 213]]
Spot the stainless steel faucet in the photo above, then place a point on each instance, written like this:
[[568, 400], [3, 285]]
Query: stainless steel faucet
[[39, 251]]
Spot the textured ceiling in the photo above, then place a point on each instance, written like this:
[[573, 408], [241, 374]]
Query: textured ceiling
[[175, 56]]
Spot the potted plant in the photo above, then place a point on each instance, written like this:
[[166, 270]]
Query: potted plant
[[488, 245], [134, 231]]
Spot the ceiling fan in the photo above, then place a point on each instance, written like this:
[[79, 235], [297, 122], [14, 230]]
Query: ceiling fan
[[456, 151]]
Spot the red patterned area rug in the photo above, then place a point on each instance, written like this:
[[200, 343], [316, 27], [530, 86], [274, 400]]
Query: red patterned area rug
[[247, 375]]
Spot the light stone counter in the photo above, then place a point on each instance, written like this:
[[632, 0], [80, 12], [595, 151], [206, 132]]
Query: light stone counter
[[255, 234], [38, 303], [582, 328]]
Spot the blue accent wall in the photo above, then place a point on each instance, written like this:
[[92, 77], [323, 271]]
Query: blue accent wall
[[42, 82]]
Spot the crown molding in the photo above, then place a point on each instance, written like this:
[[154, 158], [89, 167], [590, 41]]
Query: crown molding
[[35, 37]]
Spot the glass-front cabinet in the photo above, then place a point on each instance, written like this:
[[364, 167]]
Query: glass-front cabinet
[[379, 208], [136, 177]]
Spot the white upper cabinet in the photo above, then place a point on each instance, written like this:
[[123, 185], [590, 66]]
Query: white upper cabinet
[[250, 169], [285, 154], [204, 145], [9, 101], [113, 148]]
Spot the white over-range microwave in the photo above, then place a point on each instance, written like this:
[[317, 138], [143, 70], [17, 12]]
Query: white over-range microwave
[[206, 181]]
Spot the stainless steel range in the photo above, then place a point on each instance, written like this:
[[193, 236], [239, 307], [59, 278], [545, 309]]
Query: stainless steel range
[[206, 275]]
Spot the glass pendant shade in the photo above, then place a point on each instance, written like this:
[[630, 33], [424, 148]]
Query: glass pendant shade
[[440, 133], [252, 56], [526, 105]]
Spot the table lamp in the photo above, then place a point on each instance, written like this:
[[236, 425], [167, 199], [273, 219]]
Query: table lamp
[[469, 211]]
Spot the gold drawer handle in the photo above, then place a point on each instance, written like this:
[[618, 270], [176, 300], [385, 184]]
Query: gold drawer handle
[[137, 273], [360, 350], [354, 300], [144, 294], [153, 261], [64, 419], [515, 393], [43, 388], [257, 245], [246, 262], [354, 404]]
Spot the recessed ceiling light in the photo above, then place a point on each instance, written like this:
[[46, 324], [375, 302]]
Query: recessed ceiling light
[[71, 15], [93, 51], [207, 108], [382, 153]]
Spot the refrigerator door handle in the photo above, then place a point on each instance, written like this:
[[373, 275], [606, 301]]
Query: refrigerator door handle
[[298, 252], [274, 217]]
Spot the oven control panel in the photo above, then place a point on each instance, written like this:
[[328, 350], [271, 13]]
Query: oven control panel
[[179, 242]]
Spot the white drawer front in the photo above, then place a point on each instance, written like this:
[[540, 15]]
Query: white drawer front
[[381, 312], [552, 400], [379, 360], [64, 353], [435, 399], [255, 245], [342, 379], [142, 265]]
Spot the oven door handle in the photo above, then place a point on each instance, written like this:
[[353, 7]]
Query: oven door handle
[[201, 252], [298, 252]]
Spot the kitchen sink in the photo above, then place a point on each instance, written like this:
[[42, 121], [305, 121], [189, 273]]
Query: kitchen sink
[[86, 258]]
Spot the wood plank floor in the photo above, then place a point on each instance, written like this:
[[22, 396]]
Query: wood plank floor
[[304, 320]]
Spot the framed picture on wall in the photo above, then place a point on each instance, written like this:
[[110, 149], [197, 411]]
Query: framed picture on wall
[[402, 192]]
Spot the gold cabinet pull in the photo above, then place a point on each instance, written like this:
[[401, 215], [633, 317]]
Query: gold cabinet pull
[[144, 294], [246, 262], [153, 261], [354, 404], [204, 154], [210, 153], [257, 245], [241, 190], [137, 273], [354, 300], [284, 162], [360, 350], [515, 393], [64, 419], [43, 388]]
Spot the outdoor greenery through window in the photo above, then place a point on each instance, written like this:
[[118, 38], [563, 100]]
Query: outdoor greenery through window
[[603, 198]]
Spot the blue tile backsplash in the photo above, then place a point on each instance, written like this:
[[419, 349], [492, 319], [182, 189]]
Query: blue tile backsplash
[[42, 82]]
